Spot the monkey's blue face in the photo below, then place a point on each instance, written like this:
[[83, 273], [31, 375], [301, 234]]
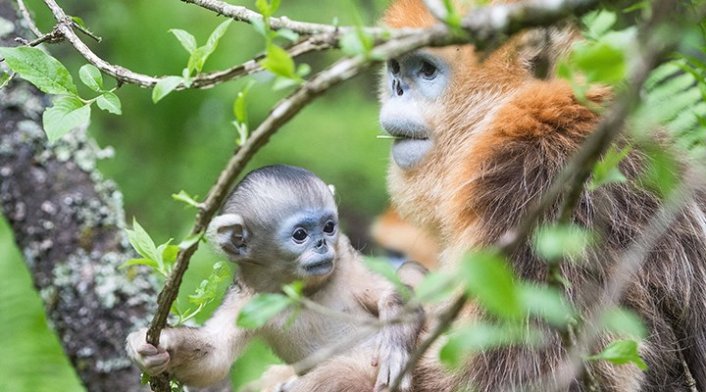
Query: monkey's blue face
[[412, 84], [309, 237]]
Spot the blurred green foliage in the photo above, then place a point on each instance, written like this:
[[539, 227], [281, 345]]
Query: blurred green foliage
[[182, 143]]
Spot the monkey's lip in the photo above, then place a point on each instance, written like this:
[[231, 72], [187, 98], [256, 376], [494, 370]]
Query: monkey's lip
[[408, 152], [321, 267]]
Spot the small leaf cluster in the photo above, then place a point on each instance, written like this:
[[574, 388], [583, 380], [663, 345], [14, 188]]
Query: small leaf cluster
[[160, 259], [69, 111], [277, 60], [486, 277], [240, 113], [517, 309], [599, 59], [197, 59], [263, 307]]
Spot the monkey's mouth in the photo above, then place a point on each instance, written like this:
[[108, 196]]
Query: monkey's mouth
[[412, 141], [408, 152], [317, 268]]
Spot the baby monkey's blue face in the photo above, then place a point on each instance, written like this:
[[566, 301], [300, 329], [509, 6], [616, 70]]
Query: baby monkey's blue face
[[309, 238]]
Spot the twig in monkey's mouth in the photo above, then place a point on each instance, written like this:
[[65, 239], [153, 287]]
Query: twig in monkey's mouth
[[400, 137]]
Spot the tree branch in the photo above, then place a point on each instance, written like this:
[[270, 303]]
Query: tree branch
[[65, 27]]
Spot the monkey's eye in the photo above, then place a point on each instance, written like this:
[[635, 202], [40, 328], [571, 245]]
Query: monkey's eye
[[299, 235], [427, 70], [329, 227]]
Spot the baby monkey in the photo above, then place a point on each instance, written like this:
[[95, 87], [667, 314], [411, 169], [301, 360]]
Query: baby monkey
[[279, 225]]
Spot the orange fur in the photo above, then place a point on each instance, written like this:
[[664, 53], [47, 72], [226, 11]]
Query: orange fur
[[500, 136], [394, 233]]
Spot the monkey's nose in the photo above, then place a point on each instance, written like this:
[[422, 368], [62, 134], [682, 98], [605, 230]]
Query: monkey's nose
[[320, 244], [397, 87]]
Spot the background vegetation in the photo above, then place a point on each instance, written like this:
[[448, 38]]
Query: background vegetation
[[182, 143]]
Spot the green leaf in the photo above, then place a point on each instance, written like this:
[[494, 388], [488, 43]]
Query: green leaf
[[351, 44], [142, 242], [190, 240], [554, 242], [261, 309], [40, 69], [79, 21], [387, 271], [185, 38], [453, 19], [67, 113], [294, 290], [547, 303], [264, 7], [303, 70], [267, 8], [109, 102], [489, 279], [282, 83], [621, 352], [599, 22], [624, 322], [208, 289], [435, 287], [600, 62], [662, 171], [184, 197], [4, 78], [91, 77], [201, 54], [142, 261], [260, 26], [481, 337], [606, 171], [279, 62], [240, 104], [169, 252], [287, 34], [165, 86]]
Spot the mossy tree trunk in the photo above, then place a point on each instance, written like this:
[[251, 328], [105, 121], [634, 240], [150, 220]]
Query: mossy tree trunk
[[68, 222]]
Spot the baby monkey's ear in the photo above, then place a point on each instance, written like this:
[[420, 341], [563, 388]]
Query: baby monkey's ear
[[228, 233]]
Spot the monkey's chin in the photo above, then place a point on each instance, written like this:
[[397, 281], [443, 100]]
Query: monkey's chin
[[409, 152]]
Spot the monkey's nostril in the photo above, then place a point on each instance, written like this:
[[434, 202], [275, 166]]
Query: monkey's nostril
[[320, 243], [397, 86]]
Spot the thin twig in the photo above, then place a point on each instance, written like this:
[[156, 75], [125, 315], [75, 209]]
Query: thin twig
[[87, 32], [243, 14], [28, 18], [202, 81]]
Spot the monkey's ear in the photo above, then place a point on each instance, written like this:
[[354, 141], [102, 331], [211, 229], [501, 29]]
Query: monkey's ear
[[229, 234], [541, 49]]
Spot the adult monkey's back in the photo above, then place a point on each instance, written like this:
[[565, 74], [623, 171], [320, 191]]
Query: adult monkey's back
[[477, 144]]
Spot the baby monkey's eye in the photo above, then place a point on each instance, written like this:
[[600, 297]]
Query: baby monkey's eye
[[299, 235], [329, 227]]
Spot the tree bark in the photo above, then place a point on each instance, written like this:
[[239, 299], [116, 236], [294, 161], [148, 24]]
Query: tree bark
[[68, 222]]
